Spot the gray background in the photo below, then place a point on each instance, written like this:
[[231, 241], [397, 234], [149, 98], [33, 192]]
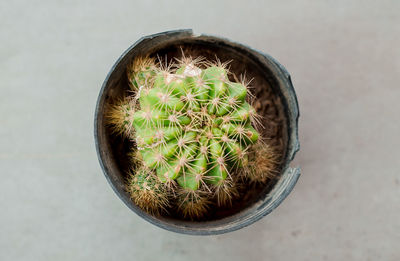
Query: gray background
[[344, 58]]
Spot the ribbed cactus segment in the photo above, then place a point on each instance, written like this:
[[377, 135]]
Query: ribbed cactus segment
[[192, 204], [194, 125], [263, 162], [120, 117], [141, 72], [147, 192]]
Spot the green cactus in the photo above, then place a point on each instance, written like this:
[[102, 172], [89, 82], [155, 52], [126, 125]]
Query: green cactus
[[263, 163], [120, 117], [147, 192], [193, 128], [140, 72]]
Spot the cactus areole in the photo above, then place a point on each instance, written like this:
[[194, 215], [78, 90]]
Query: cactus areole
[[198, 142]]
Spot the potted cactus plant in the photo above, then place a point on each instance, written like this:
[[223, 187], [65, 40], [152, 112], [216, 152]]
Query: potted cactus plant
[[187, 142]]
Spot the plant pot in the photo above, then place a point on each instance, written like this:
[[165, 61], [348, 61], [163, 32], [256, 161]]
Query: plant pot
[[272, 83]]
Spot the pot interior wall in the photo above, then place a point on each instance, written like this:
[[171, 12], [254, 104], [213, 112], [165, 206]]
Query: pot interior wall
[[269, 105]]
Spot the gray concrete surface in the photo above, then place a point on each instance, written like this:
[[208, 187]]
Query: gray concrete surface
[[344, 59]]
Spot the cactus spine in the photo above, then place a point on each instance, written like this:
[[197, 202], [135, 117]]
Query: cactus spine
[[193, 129]]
